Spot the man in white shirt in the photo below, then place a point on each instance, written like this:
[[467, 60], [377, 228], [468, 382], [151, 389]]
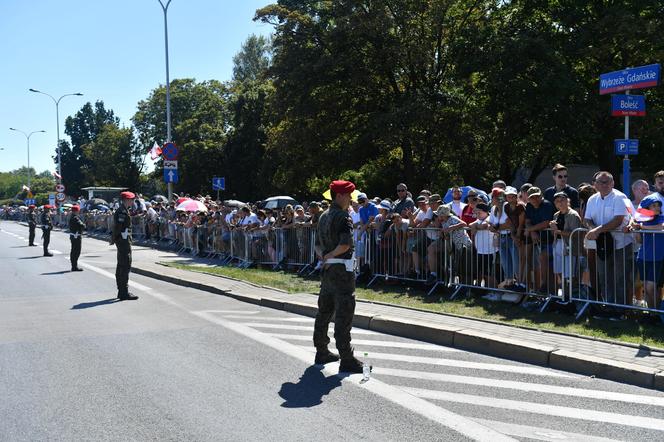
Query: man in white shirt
[[607, 213], [456, 205]]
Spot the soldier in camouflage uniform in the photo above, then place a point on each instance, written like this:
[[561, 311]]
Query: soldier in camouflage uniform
[[76, 227], [32, 224], [121, 237], [335, 247], [46, 226]]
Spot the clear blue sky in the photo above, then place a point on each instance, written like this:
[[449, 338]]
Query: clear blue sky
[[110, 50]]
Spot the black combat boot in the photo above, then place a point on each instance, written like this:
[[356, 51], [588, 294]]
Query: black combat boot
[[350, 365], [127, 297], [325, 356]]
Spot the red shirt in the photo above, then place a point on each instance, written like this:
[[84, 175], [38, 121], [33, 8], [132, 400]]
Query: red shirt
[[467, 215]]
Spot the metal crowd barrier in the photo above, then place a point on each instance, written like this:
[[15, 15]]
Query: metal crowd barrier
[[621, 271]]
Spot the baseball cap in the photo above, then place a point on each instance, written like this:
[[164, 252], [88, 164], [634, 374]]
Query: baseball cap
[[385, 204], [509, 190], [361, 196], [560, 194], [534, 191], [435, 198], [443, 211], [483, 207]]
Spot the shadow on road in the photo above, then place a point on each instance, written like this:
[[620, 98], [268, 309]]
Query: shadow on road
[[309, 390], [83, 305], [61, 272], [31, 257]]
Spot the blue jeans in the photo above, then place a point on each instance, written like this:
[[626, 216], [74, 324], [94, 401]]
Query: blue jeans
[[509, 256]]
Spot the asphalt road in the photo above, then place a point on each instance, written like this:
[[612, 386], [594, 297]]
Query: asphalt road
[[182, 364]]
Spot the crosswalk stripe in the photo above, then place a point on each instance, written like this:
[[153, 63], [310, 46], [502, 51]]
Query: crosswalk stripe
[[354, 331], [539, 433], [523, 386], [546, 409], [236, 312], [372, 343], [463, 364], [271, 318]]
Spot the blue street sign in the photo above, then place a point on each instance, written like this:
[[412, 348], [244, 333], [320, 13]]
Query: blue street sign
[[170, 152], [628, 105], [170, 175], [219, 183], [626, 147], [630, 78], [29, 201]]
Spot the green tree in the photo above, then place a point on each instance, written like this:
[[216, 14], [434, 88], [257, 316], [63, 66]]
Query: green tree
[[83, 128], [200, 122], [253, 60]]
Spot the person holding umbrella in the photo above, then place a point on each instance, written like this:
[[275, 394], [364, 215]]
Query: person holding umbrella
[[121, 237], [76, 227], [46, 226]]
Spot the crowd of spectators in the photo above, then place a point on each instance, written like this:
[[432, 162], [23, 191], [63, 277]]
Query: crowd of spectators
[[517, 240]]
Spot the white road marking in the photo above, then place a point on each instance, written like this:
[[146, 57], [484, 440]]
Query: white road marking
[[112, 276], [538, 433], [524, 386], [372, 343], [456, 422], [464, 364], [356, 331], [546, 409], [237, 312], [270, 318]]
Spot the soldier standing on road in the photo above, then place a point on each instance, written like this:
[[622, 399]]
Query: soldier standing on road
[[46, 226], [121, 237], [336, 249], [32, 224], [76, 227]]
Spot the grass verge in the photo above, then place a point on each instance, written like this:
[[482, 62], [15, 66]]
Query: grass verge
[[476, 307]]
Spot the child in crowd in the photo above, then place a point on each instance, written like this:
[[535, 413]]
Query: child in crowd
[[485, 246], [650, 258]]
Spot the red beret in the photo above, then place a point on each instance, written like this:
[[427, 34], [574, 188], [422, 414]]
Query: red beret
[[31, 206], [127, 195], [341, 186], [75, 208], [47, 206]]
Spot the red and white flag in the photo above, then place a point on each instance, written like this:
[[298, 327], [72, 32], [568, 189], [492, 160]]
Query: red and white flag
[[155, 152], [57, 175]]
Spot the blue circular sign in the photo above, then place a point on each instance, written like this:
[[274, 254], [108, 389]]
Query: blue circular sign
[[170, 152]]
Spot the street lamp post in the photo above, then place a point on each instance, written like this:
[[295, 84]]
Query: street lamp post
[[57, 117], [27, 137], [168, 87]]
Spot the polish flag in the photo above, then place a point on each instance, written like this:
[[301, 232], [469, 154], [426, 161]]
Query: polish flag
[[57, 175], [155, 152]]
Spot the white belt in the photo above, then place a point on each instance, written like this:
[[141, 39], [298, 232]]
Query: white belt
[[349, 263], [125, 233], [75, 235]]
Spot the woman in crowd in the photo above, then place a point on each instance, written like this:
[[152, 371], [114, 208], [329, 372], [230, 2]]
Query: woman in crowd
[[516, 212], [501, 225]]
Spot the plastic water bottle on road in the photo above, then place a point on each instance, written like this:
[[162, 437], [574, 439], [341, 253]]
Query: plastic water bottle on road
[[366, 368]]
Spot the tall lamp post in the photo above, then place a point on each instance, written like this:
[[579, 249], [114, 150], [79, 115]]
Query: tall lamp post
[[27, 137], [57, 117], [168, 87]]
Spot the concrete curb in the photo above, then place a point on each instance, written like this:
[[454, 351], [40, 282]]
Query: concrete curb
[[461, 338]]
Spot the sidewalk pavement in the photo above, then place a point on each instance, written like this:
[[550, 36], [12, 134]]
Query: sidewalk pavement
[[622, 362]]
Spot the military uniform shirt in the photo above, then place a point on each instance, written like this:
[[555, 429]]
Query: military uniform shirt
[[76, 225], [46, 221], [121, 222], [335, 227]]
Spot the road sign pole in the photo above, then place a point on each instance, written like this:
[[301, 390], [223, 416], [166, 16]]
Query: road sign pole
[[626, 177]]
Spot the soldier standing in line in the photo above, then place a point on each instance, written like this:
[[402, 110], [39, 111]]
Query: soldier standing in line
[[336, 249], [121, 237], [76, 227], [32, 224], [46, 226]]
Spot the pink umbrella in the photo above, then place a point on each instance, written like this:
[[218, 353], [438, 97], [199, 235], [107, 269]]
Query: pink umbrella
[[182, 199], [192, 206]]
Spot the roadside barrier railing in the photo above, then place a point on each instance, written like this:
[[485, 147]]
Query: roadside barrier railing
[[618, 270]]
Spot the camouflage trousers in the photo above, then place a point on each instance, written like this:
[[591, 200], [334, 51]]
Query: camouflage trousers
[[336, 298]]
